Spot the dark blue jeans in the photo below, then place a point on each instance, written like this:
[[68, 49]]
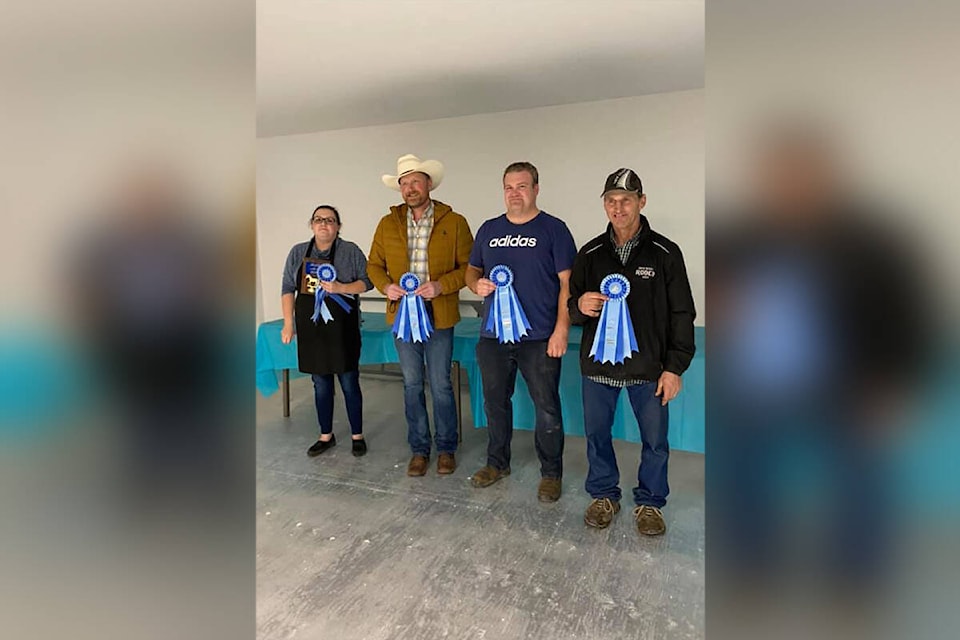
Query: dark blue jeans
[[603, 477], [437, 353], [323, 396], [498, 368]]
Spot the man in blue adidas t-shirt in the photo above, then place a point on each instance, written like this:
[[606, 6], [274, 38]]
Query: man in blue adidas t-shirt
[[539, 251]]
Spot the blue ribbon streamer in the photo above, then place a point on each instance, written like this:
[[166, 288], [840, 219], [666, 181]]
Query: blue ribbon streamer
[[506, 318], [412, 322], [326, 273], [615, 340]]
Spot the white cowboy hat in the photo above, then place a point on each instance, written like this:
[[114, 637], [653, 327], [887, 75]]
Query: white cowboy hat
[[410, 164]]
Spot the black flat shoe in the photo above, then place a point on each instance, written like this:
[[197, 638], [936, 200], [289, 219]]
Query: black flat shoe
[[320, 446], [359, 447]]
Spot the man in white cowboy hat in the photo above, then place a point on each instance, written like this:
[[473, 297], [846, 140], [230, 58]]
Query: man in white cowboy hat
[[428, 238]]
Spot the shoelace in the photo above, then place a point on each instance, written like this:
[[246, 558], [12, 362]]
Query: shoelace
[[639, 511], [605, 504]]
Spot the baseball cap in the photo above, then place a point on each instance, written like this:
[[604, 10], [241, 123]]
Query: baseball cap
[[623, 180]]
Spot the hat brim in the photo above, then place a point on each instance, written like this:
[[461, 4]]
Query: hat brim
[[639, 193], [432, 168]]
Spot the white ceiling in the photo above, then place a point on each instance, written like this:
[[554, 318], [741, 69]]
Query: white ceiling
[[335, 64]]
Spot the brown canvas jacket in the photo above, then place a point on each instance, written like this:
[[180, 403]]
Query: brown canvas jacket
[[448, 253]]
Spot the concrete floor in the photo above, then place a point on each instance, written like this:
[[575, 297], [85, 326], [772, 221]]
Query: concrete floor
[[351, 548]]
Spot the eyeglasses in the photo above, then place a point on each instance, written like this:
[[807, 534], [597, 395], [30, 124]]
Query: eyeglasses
[[326, 221]]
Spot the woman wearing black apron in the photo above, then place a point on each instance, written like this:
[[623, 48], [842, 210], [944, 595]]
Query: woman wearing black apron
[[331, 347]]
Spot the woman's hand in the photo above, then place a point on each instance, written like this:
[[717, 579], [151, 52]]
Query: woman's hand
[[287, 333], [332, 287]]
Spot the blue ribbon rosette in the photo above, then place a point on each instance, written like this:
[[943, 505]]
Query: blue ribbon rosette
[[506, 318], [326, 273], [412, 322], [615, 340]]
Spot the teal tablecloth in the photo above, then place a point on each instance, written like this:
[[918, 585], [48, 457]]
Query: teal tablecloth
[[687, 412]]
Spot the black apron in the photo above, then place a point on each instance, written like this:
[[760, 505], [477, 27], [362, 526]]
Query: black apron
[[326, 347]]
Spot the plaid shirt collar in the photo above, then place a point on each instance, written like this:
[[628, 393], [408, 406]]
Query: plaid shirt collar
[[624, 252], [427, 215]]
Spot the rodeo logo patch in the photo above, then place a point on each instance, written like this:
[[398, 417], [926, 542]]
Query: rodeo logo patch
[[646, 272]]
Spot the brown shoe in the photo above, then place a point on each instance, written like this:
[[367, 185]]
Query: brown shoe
[[417, 466], [446, 464], [487, 476], [549, 490], [600, 512], [649, 520]]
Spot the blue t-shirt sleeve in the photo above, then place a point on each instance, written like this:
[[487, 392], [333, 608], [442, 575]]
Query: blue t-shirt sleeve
[[564, 248]]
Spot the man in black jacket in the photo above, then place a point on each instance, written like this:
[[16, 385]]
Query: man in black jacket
[[661, 312]]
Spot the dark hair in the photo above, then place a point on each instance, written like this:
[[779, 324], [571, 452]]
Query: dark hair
[[327, 206], [517, 167]]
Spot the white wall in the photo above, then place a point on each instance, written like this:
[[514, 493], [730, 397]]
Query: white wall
[[574, 147]]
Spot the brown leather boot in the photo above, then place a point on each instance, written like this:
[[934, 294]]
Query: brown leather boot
[[417, 466], [487, 476], [649, 520], [446, 464], [600, 512], [549, 490]]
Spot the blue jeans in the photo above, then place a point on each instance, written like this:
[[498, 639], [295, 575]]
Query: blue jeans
[[437, 353], [498, 368], [352, 397], [603, 477]]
